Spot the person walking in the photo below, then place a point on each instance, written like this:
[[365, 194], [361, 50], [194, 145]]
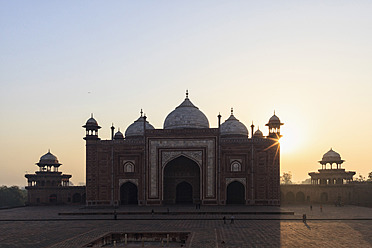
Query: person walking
[[304, 218], [224, 220], [232, 219], [321, 208]]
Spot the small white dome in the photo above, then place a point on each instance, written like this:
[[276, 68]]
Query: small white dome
[[274, 119], [48, 159], [233, 127], [91, 124], [258, 133], [118, 135], [186, 115], [92, 121], [331, 157], [136, 128]]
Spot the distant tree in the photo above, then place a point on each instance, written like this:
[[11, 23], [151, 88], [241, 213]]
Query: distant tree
[[360, 179], [306, 181], [286, 178], [12, 196], [369, 177]]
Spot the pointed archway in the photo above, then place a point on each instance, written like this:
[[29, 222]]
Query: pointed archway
[[235, 193], [128, 194], [76, 198], [181, 181], [184, 193], [53, 199]]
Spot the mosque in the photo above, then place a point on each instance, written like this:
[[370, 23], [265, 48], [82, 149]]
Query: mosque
[[185, 162]]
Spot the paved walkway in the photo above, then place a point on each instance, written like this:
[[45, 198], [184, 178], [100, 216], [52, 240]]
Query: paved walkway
[[43, 227]]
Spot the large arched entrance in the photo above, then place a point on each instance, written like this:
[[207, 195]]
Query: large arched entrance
[[235, 193], [181, 181], [128, 194]]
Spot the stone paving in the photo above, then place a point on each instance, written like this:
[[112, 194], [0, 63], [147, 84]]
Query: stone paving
[[347, 226]]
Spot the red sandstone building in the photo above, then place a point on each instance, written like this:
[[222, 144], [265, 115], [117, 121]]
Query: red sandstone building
[[185, 162], [49, 186], [329, 185]]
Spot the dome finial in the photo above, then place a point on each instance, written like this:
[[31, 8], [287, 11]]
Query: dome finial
[[232, 111], [49, 150], [187, 94], [274, 111], [141, 112], [91, 115]]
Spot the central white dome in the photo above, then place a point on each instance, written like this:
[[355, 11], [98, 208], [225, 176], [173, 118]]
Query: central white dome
[[186, 115]]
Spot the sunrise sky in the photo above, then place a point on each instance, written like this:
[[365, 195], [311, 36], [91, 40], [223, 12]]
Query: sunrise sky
[[310, 61]]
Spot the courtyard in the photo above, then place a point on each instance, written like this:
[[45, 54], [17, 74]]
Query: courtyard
[[73, 226]]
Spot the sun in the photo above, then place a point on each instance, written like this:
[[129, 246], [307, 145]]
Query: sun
[[289, 143]]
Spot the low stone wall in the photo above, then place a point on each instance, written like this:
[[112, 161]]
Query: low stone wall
[[355, 194]]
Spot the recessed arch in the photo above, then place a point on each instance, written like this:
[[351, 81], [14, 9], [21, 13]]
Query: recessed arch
[[184, 193], [53, 198], [235, 193], [324, 197], [235, 166], [282, 197], [76, 198], [128, 194], [300, 197], [290, 197], [129, 167], [179, 175]]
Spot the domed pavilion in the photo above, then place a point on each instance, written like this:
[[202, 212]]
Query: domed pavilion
[[331, 171], [49, 186]]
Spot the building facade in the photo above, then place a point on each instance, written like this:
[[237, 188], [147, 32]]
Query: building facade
[[49, 186], [184, 162]]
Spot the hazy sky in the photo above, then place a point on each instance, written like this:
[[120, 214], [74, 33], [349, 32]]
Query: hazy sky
[[310, 61]]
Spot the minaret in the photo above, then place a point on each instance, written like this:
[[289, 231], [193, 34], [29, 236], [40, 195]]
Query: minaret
[[274, 127], [112, 131], [252, 129], [91, 129]]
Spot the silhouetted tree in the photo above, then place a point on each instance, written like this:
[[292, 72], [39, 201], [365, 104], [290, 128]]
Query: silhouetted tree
[[286, 178], [369, 177], [361, 179], [12, 196]]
